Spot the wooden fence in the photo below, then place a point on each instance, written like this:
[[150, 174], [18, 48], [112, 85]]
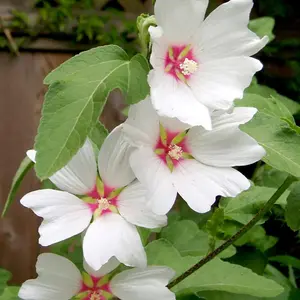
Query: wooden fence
[[21, 99]]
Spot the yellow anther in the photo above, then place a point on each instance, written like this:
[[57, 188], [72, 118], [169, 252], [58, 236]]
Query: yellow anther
[[175, 152], [95, 296], [188, 67], [103, 203]]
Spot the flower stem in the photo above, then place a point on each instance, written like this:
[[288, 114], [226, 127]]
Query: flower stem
[[289, 180]]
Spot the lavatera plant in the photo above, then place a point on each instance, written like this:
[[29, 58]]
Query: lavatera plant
[[119, 197]]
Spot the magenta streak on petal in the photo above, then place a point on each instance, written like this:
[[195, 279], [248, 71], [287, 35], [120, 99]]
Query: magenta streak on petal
[[170, 136], [94, 193], [105, 287], [177, 61]]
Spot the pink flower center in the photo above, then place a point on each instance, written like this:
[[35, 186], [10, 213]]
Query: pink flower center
[[171, 147], [180, 62], [103, 199], [93, 288]]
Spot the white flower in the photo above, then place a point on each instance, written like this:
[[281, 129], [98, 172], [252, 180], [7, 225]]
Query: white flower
[[115, 204], [196, 163], [201, 65], [59, 279]]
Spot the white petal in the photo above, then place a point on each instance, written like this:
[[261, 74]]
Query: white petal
[[79, 175], [226, 145], [174, 99], [146, 284], [218, 83], [173, 124], [225, 32], [142, 125], [132, 205], [58, 278], [199, 184], [31, 155], [179, 18], [64, 214], [236, 117], [159, 47], [152, 172], [112, 264], [113, 160], [111, 235]]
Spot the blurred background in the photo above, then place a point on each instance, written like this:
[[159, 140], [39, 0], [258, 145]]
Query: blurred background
[[38, 35]]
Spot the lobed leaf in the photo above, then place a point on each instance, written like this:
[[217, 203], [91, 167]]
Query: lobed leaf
[[98, 134], [76, 97], [215, 275]]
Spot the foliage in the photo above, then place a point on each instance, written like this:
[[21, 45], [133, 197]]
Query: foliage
[[216, 275], [10, 293], [4, 277], [80, 87], [77, 94], [76, 21], [293, 208]]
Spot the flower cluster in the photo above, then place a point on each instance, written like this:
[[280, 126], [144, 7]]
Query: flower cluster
[[184, 138]]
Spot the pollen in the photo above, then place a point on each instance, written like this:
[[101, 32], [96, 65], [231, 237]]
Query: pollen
[[188, 67], [175, 152], [95, 296], [103, 204]]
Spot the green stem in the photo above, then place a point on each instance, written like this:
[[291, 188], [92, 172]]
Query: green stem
[[239, 234]]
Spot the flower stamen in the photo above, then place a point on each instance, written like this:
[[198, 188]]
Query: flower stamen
[[188, 67], [103, 203], [175, 152], [95, 296]]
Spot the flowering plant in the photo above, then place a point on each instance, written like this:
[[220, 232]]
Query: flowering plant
[[158, 204]]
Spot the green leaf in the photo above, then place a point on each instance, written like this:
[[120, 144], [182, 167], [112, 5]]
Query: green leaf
[[98, 134], [267, 92], [4, 277], [215, 295], [186, 213], [256, 236], [213, 225], [250, 258], [76, 97], [243, 207], [269, 177], [273, 274], [216, 220], [188, 239], [263, 26], [281, 143], [71, 249], [292, 213], [23, 169], [287, 260], [295, 294], [270, 106], [215, 275], [10, 293]]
